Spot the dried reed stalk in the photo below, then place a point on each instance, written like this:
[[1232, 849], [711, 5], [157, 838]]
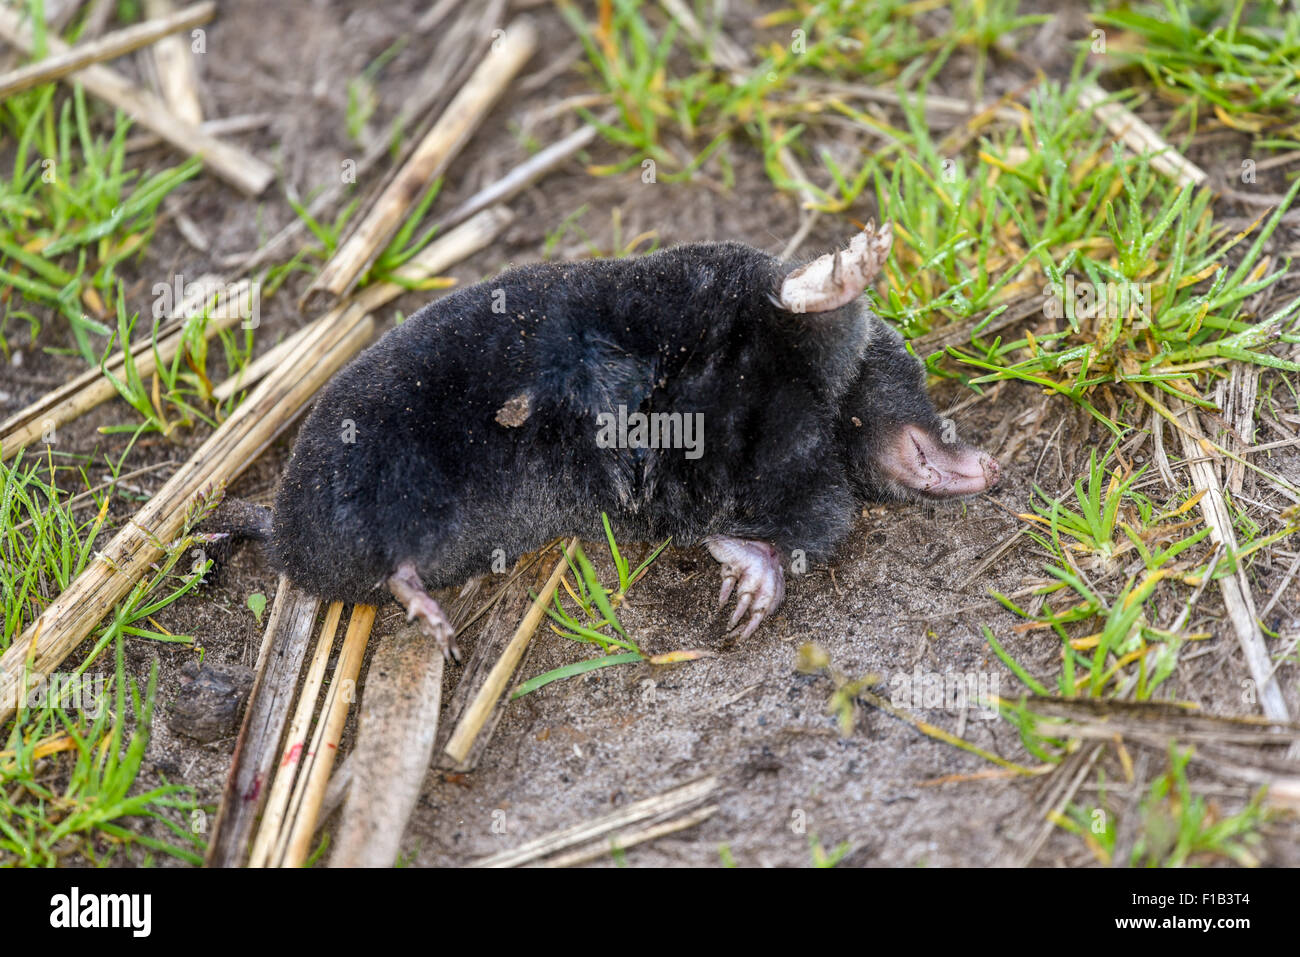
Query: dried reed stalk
[[93, 388], [177, 76], [277, 802], [481, 707], [656, 808], [106, 47], [315, 773], [237, 167], [284, 645], [443, 142], [1140, 137]]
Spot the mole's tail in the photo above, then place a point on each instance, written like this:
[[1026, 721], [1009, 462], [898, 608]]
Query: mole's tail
[[231, 524], [235, 520]]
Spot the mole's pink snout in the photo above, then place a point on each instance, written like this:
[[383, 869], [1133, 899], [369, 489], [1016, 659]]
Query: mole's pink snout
[[921, 461]]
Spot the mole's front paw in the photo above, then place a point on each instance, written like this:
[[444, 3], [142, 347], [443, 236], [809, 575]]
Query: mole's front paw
[[836, 279], [754, 570]]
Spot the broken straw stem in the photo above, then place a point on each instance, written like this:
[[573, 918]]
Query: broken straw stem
[[107, 47]]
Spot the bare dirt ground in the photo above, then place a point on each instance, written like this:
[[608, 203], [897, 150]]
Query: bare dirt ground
[[896, 599]]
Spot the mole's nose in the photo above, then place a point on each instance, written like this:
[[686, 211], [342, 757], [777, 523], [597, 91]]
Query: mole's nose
[[992, 474]]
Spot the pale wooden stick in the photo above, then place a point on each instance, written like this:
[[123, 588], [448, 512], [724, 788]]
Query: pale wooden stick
[[660, 805], [177, 75], [458, 747], [1140, 137], [397, 726], [342, 691], [218, 127], [441, 254], [92, 388], [291, 756], [625, 839], [288, 631], [522, 176], [430, 159], [237, 167], [106, 47], [1235, 588]]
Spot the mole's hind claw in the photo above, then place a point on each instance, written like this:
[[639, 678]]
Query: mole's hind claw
[[728, 583], [754, 570], [434, 623], [407, 588]]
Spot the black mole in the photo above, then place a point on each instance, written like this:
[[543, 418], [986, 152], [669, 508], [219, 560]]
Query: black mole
[[709, 392]]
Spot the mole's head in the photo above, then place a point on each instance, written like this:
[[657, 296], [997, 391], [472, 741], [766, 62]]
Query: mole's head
[[896, 444]]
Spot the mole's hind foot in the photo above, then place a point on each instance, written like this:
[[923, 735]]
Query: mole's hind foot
[[407, 588], [754, 570]]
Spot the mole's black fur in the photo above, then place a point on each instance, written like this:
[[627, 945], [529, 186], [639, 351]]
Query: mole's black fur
[[405, 458]]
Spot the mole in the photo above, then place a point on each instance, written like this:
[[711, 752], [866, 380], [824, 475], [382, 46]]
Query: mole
[[709, 392]]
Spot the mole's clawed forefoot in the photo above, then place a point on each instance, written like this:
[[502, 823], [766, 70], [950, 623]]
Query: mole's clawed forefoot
[[754, 570], [407, 588], [838, 278]]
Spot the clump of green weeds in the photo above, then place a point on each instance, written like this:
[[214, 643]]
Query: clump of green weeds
[[71, 213], [595, 620], [1126, 652], [181, 384], [44, 545], [1235, 66], [1177, 827], [86, 813]]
